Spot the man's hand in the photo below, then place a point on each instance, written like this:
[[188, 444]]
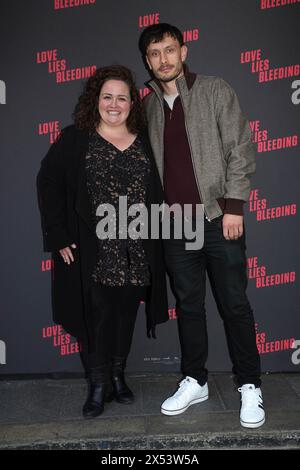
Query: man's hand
[[67, 254], [232, 226]]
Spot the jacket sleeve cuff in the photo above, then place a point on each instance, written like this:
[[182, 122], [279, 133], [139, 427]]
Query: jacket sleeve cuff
[[56, 239], [234, 206]]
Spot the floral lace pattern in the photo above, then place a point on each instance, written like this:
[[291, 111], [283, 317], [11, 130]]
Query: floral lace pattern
[[111, 173]]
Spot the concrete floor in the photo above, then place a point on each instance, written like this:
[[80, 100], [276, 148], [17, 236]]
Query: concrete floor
[[46, 414]]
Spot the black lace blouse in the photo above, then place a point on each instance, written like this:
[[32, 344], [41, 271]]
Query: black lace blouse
[[111, 173]]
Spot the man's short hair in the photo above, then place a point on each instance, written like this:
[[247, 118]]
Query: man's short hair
[[155, 33]]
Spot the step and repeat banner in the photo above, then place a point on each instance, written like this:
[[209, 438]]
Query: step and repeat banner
[[48, 49]]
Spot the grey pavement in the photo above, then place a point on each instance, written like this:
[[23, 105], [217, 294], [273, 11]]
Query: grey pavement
[[46, 414]]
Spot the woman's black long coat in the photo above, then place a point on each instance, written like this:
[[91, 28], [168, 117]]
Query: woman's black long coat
[[66, 219]]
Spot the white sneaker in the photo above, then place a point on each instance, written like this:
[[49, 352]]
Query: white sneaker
[[189, 392], [252, 413]]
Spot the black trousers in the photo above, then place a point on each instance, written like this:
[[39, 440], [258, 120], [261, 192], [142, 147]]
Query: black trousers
[[110, 323], [226, 265]]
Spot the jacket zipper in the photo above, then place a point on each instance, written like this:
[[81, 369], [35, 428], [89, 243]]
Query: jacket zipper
[[192, 158], [163, 150]]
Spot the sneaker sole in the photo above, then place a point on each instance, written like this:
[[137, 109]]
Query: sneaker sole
[[182, 410], [253, 425]]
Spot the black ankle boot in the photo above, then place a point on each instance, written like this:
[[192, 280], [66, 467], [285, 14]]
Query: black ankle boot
[[122, 392], [100, 391]]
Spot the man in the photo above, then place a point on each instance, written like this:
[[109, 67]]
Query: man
[[203, 149]]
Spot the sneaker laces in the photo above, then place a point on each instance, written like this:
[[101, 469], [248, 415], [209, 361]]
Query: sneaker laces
[[182, 386], [250, 397]]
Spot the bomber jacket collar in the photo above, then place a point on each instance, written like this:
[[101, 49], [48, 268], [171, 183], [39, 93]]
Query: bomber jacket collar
[[184, 83]]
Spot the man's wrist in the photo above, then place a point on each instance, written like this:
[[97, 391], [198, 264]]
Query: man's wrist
[[234, 207]]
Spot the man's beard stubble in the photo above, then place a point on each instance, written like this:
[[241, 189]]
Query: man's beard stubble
[[173, 77]]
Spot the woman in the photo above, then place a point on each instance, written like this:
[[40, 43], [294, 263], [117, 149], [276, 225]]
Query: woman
[[98, 283]]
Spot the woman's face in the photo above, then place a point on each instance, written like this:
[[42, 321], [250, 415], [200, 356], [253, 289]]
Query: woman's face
[[114, 103]]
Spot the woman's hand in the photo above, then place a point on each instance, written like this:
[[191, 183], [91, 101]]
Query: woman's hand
[[67, 254]]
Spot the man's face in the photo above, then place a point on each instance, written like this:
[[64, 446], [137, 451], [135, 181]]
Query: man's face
[[165, 58]]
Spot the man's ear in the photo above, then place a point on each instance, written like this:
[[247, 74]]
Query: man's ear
[[148, 63], [184, 52]]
